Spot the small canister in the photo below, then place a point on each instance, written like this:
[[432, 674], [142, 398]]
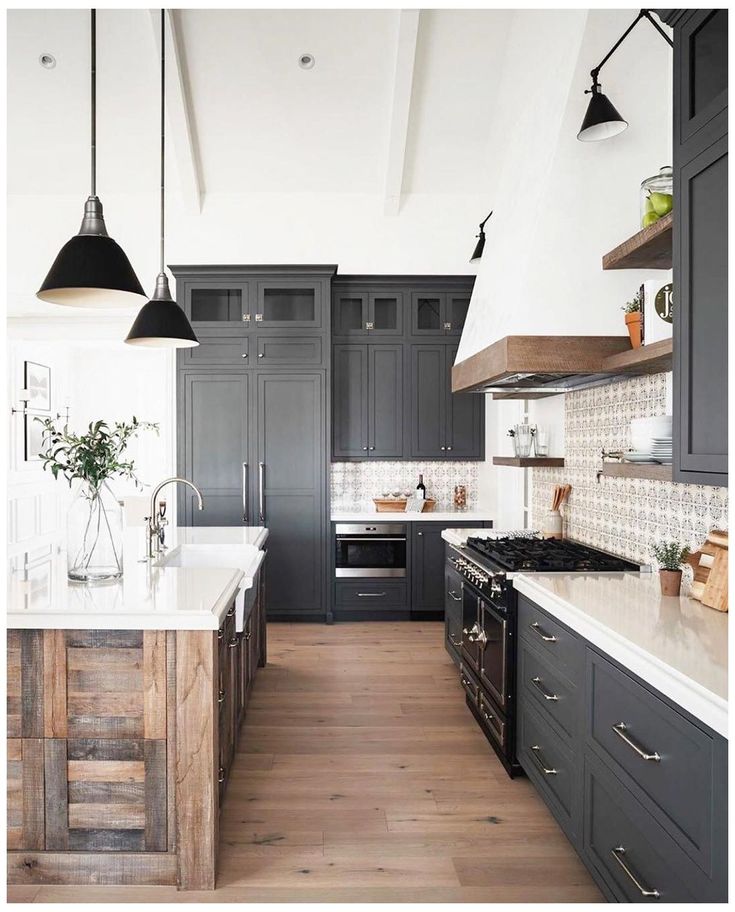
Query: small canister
[[552, 526]]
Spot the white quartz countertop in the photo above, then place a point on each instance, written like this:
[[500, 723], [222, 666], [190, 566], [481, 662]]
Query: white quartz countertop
[[402, 516], [676, 645], [150, 595]]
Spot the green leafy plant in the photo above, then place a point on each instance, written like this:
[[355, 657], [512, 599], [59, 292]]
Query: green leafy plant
[[94, 456], [670, 555], [633, 306]]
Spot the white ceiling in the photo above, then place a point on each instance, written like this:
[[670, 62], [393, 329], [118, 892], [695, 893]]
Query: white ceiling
[[259, 122]]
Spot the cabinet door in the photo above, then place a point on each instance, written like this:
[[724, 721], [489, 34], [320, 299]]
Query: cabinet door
[[465, 422], [289, 304], [427, 569], [25, 802], [214, 427], [700, 319], [385, 406], [350, 401], [428, 399], [700, 67], [217, 348], [385, 313], [291, 455], [428, 310], [214, 304], [350, 313], [455, 315]]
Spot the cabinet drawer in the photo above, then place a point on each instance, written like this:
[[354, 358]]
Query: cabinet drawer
[[550, 764], [284, 350], [552, 693], [222, 349], [491, 719], [371, 595], [469, 684], [562, 648], [650, 744], [636, 857]]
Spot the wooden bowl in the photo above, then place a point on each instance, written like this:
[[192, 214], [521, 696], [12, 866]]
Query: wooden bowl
[[398, 505]]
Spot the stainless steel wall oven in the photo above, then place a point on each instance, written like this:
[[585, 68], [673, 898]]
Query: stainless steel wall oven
[[370, 550]]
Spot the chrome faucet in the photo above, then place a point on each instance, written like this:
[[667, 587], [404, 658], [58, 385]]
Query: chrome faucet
[[156, 522]]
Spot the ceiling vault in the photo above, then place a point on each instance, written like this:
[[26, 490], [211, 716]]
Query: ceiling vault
[[408, 28], [179, 115]]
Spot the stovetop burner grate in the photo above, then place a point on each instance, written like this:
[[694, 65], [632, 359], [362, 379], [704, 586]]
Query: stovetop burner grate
[[549, 554]]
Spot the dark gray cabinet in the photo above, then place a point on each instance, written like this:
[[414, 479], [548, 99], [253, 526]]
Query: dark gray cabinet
[[427, 568], [362, 311], [368, 401], [700, 245], [638, 785], [435, 312], [442, 424]]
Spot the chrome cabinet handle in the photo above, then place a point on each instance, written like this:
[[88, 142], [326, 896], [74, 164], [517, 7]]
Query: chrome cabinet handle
[[369, 326], [372, 447], [258, 318], [452, 594], [233, 643], [230, 611], [546, 637], [546, 694], [246, 318], [442, 448], [617, 854], [547, 770], [371, 594], [447, 326], [221, 776], [244, 354], [261, 485], [453, 641], [620, 729], [244, 490], [248, 635], [364, 448], [221, 696], [449, 448]]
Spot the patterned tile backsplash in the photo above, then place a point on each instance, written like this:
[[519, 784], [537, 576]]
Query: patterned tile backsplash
[[354, 484], [623, 515]]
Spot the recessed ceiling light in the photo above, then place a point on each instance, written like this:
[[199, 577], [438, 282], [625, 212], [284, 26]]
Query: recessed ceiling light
[[48, 61], [306, 61]]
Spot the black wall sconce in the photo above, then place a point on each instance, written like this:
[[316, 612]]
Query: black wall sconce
[[480, 245], [602, 119]]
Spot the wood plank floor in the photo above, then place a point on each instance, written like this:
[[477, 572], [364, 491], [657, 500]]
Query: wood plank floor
[[362, 777]]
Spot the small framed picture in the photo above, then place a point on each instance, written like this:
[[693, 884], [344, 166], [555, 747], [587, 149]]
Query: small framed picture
[[33, 437], [37, 380]]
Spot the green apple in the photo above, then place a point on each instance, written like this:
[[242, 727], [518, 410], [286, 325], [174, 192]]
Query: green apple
[[648, 219], [662, 203]]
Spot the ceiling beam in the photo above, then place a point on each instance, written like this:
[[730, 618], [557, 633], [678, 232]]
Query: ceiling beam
[[178, 112], [408, 29]]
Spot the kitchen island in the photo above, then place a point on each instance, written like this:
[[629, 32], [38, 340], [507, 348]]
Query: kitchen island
[[125, 700]]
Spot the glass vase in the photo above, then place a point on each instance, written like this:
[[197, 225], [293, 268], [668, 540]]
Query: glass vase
[[94, 527]]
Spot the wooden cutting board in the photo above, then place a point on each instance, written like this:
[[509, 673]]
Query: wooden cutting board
[[710, 565]]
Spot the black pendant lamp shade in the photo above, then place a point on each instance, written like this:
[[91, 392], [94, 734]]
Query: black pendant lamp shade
[[162, 323], [92, 270], [602, 119], [480, 245]]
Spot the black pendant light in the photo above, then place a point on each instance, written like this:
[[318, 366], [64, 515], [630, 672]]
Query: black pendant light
[[91, 269], [602, 119], [161, 323], [480, 245]]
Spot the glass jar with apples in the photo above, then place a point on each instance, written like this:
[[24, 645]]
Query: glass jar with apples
[[657, 196]]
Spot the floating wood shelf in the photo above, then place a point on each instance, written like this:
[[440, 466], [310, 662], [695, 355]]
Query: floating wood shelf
[[655, 358], [651, 248], [529, 462], [650, 470]]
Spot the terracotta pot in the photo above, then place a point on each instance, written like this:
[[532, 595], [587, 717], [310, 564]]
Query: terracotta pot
[[670, 581], [634, 322]]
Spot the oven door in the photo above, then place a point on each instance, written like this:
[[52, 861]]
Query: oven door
[[470, 628], [493, 656], [370, 551]]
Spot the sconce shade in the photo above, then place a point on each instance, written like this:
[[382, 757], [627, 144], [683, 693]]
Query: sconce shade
[[479, 247], [602, 119], [161, 323]]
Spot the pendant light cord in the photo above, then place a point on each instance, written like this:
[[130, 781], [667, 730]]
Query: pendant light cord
[[93, 97], [163, 130]]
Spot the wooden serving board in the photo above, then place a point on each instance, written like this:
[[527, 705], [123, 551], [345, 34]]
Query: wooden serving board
[[710, 565]]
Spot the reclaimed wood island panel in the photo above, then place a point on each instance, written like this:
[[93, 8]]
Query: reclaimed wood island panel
[[119, 746]]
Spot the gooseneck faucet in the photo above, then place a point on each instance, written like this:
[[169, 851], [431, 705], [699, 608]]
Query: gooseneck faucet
[[156, 520]]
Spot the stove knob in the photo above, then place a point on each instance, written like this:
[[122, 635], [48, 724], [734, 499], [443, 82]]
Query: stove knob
[[496, 588]]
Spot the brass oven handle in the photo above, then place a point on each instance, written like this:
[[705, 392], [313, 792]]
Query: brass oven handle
[[546, 637], [617, 854], [620, 730], [546, 694], [452, 594], [547, 770]]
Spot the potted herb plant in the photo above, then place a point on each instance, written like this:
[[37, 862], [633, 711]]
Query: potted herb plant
[[634, 319], [671, 557], [94, 518]]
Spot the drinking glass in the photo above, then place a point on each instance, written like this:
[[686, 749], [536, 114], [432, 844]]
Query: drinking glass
[[524, 438], [541, 442]]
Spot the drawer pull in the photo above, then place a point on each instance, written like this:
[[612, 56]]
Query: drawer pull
[[546, 637], [468, 686], [620, 730], [546, 694], [233, 643], [221, 697], [453, 595], [371, 594], [547, 770], [221, 775], [617, 853]]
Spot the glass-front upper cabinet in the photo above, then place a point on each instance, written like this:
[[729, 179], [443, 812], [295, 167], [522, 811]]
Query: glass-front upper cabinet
[[367, 313], [293, 304], [385, 313], [457, 306], [439, 313], [212, 304]]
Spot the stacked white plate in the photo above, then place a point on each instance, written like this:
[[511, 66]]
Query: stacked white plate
[[662, 450]]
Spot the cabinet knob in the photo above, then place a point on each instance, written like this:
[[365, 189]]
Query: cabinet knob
[[449, 448], [372, 448], [244, 354], [364, 448], [260, 354], [447, 326], [443, 448], [246, 318], [258, 318], [420, 534], [369, 326]]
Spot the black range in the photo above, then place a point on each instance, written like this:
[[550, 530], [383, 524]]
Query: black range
[[483, 569]]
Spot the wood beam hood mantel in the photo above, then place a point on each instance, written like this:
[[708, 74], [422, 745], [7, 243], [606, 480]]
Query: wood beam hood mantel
[[518, 367]]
